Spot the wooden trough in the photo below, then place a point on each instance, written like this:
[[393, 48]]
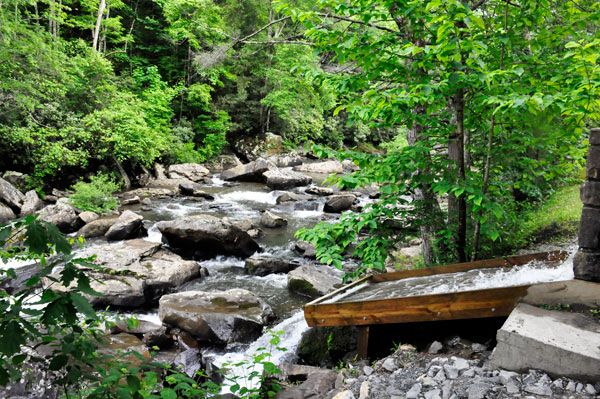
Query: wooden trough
[[491, 302]]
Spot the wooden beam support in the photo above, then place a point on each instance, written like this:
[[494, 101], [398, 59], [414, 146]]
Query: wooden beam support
[[363, 342]]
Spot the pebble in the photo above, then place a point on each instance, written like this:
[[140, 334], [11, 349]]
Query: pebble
[[433, 394], [344, 395], [451, 371], [589, 388], [364, 390], [478, 390], [512, 387], [539, 389], [460, 363], [435, 347], [478, 348], [368, 370], [414, 392], [571, 386], [505, 376], [469, 373], [389, 364]]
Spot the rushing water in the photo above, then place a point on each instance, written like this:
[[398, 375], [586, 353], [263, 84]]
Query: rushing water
[[479, 279]]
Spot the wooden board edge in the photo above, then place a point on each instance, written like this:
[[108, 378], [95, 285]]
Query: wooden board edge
[[507, 261]]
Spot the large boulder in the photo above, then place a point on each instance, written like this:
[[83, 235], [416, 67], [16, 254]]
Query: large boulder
[[313, 281], [88, 216], [339, 203], [17, 179], [252, 171], [262, 265], [134, 273], [321, 167], [128, 225], [192, 171], [220, 317], [96, 228], [158, 191], [31, 203], [62, 215], [272, 221], [204, 236], [278, 179], [11, 196], [6, 214]]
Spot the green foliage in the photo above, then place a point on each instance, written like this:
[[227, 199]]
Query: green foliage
[[470, 79], [68, 325], [95, 196]]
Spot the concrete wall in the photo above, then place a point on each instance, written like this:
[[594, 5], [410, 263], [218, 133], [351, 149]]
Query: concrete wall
[[587, 260]]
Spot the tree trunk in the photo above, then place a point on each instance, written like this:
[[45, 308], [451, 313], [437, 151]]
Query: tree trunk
[[126, 180], [96, 33], [431, 207], [457, 206]]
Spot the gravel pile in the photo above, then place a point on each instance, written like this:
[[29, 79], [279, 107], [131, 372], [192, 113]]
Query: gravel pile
[[408, 374]]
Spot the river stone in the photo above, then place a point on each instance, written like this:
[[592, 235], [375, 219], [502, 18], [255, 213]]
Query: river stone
[[317, 384], [278, 179], [195, 190], [131, 200], [262, 265], [339, 203], [223, 162], [96, 228], [167, 184], [140, 327], [135, 272], [312, 281], [271, 220], [318, 190], [31, 204], [291, 197], [204, 236], [88, 216], [321, 167], [192, 171], [252, 171], [6, 214], [220, 317], [306, 249], [146, 192], [11, 196], [128, 225], [189, 362], [116, 345], [62, 215]]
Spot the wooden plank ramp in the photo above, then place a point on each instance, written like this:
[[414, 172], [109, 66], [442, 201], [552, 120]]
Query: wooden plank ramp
[[490, 302]]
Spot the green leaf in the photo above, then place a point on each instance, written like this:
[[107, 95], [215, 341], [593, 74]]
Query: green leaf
[[58, 362], [83, 305], [168, 393]]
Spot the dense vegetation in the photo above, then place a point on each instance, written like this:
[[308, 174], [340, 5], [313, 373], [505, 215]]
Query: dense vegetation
[[482, 105], [115, 84]]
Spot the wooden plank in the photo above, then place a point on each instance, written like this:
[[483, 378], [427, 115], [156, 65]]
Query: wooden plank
[[340, 290], [458, 305], [363, 342], [509, 261]]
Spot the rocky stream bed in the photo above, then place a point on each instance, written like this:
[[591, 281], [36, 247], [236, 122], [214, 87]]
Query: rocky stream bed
[[208, 260]]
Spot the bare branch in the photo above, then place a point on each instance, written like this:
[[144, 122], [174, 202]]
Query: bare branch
[[355, 21]]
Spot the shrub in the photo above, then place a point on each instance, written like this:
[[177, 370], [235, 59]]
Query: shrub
[[95, 196]]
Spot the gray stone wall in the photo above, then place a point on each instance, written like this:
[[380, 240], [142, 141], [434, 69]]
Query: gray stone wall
[[587, 260]]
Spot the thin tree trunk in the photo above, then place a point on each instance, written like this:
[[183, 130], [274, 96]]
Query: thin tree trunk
[[126, 180], [457, 206], [96, 33], [486, 177], [102, 44]]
